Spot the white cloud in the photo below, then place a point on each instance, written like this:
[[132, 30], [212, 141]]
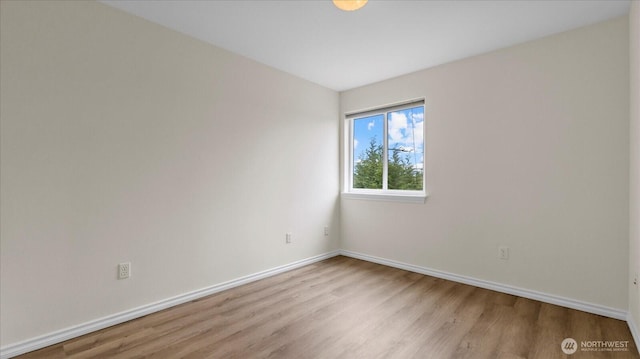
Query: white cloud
[[370, 125], [397, 127], [355, 143], [402, 133]]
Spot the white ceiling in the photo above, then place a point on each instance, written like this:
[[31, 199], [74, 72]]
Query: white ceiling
[[342, 50]]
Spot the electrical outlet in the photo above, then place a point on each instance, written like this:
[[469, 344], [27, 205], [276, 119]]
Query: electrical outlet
[[503, 253], [326, 231], [124, 270], [289, 238]]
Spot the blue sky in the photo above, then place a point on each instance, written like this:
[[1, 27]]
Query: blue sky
[[405, 133]]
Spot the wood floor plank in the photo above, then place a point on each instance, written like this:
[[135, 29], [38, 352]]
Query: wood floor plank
[[301, 333], [347, 308], [517, 332], [367, 286], [222, 322], [429, 315], [447, 337]]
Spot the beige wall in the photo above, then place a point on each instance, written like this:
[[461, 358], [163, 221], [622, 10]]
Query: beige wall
[[125, 141], [526, 147], [634, 243]]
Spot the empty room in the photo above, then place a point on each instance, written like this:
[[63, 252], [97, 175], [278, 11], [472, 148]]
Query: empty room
[[319, 179]]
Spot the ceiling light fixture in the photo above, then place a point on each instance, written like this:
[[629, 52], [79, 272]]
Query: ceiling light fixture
[[349, 5]]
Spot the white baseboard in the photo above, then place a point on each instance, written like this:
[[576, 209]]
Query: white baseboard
[[633, 327], [498, 287], [46, 340]]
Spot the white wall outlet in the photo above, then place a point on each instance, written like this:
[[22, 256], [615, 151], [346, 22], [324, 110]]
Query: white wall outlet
[[124, 270], [326, 231], [288, 238], [503, 253]]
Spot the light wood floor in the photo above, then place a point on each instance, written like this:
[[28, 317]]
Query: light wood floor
[[346, 308]]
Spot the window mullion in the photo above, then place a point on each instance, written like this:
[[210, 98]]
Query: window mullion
[[352, 155], [385, 153]]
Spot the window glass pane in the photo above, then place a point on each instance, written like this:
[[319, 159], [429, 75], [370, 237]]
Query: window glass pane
[[368, 134], [406, 148]]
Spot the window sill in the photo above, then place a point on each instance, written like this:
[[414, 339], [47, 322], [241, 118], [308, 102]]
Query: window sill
[[386, 197]]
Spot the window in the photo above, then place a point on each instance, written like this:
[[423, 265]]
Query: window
[[386, 152]]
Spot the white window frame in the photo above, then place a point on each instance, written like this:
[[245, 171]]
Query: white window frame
[[383, 194]]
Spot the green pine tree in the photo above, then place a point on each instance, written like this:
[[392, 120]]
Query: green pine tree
[[368, 170], [402, 174]]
